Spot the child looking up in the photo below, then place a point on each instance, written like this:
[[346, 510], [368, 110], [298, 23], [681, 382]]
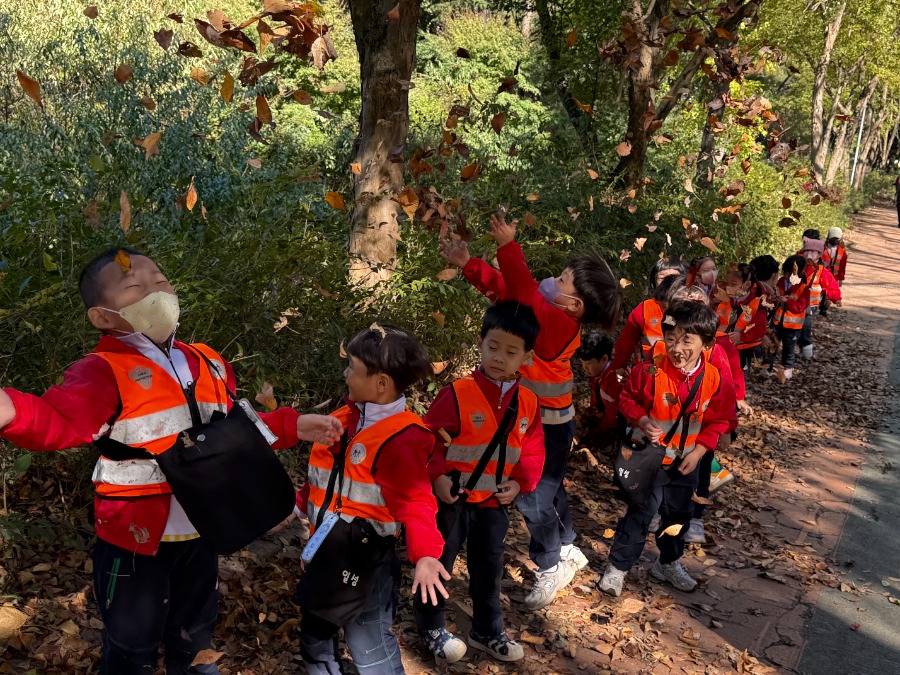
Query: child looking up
[[585, 292], [704, 273], [485, 411], [683, 384], [360, 492]]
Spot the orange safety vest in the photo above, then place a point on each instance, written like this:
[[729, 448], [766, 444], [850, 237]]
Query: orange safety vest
[[360, 495], [815, 287], [477, 426], [651, 331], [834, 266], [787, 319], [745, 315], [154, 412], [553, 383], [667, 406]]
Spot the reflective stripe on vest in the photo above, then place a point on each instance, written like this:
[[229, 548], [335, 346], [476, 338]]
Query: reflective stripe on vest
[[743, 322], [651, 330], [815, 288], [154, 411], [477, 426], [787, 319], [667, 405], [553, 383], [361, 496]]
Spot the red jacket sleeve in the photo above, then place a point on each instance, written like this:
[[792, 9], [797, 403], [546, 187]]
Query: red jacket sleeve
[[558, 329], [719, 360], [401, 471], [737, 373], [799, 305], [528, 471], [756, 331], [830, 286], [716, 419], [486, 279], [842, 268], [69, 414], [610, 388], [634, 401], [443, 414], [629, 339]]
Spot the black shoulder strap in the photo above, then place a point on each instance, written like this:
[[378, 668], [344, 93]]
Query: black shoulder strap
[[499, 439], [337, 471], [213, 370], [683, 415]]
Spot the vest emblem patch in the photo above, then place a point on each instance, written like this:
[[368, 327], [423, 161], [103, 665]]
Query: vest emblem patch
[[523, 426], [141, 376], [357, 453], [478, 419]]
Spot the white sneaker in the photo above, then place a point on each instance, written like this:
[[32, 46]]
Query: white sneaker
[[654, 524], [574, 555], [444, 645], [807, 351], [695, 533], [788, 373], [548, 582], [675, 574], [613, 580]]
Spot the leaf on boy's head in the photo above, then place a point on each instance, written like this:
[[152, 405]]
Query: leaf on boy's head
[[669, 321], [378, 329], [123, 260]]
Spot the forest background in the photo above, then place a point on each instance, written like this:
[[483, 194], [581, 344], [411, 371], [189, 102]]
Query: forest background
[[248, 162]]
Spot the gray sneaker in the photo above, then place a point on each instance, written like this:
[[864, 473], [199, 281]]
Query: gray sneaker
[[695, 533], [574, 555], [675, 574], [548, 582], [613, 580]]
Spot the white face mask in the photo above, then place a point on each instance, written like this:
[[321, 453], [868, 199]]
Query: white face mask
[[155, 315], [709, 278]]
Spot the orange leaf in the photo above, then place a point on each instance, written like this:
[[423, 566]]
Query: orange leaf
[[263, 112], [586, 108], [497, 122], [448, 274], [199, 75], [709, 243], [572, 38], [227, 89], [151, 144], [123, 260], [394, 14], [529, 219], [123, 73], [532, 197], [190, 199], [266, 35], [801, 173], [639, 243], [30, 87], [593, 174], [266, 398], [408, 201], [438, 367], [745, 166], [302, 97], [671, 58], [624, 283], [125, 215], [335, 201], [724, 34], [471, 172], [356, 168], [440, 318], [148, 103], [623, 149]]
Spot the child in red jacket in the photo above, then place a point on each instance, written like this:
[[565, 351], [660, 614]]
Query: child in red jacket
[[822, 288], [742, 316], [792, 303], [358, 495], [834, 257], [468, 415], [651, 403], [595, 354], [154, 576], [585, 292]]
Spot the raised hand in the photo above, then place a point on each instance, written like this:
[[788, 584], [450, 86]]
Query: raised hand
[[455, 252], [323, 429], [501, 231]]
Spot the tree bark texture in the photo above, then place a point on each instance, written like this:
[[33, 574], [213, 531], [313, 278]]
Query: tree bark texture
[[819, 145], [870, 136], [387, 56], [844, 145]]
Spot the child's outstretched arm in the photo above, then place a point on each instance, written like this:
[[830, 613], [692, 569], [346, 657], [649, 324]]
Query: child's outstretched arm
[[487, 280]]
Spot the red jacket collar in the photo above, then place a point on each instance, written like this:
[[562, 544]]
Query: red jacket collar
[[108, 343]]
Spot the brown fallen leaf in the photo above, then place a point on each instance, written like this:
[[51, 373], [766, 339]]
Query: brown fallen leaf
[[448, 274], [335, 201], [123, 73], [207, 657], [91, 12], [266, 397], [30, 87]]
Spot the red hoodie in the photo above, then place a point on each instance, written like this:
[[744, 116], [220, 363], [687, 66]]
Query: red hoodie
[[444, 414], [80, 409], [830, 286]]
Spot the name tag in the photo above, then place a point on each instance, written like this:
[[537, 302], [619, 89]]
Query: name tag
[[315, 541]]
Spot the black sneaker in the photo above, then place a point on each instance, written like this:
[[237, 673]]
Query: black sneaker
[[498, 646]]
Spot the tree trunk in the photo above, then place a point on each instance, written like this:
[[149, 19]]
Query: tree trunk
[[706, 160], [844, 145], [819, 145], [870, 137], [387, 56], [889, 140]]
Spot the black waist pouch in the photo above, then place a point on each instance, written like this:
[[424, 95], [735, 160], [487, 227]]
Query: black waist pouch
[[635, 470], [343, 573], [225, 475]]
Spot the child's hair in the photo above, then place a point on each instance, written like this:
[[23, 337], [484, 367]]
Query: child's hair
[[598, 290], [662, 265], [788, 267], [595, 345], [89, 280], [513, 318], [765, 266], [812, 233], [697, 262], [685, 293], [746, 272], [663, 292], [693, 318], [394, 352]]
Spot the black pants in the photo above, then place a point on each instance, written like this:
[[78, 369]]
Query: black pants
[[805, 338], [704, 473], [483, 530], [747, 356], [671, 497], [546, 508], [788, 339], [823, 307], [169, 599]]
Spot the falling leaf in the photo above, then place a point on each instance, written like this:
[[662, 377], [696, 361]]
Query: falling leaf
[[572, 38], [302, 97], [334, 88], [148, 103], [745, 166], [408, 201], [30, 87], [724, 34], [623, 149], [507, 85], [190, 200], [802, 173], [189, 50], [199, 75], [463, 53], [394, 14], [123, 260], [593, 174], [438, 367], [786, 202], [206, 657], [227, 89], [263, 112], [163, 38], [256, 163], [497, 122], [125, 215], [123, 73], [787, 222], [177, 18], [609, 533], [671, 58], [91, 213], [639, 243], [91, 12], [266, 35], [471, 172], [688, 185], [585, 108], [532, 197], [49, 266], [266, 397], [356, 168], [335, 201], [151, 144], [709, 243], [624, 255], [447, 274], [673, 530], [624, 283], [530, 219], [440, 318], [815, 200]]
